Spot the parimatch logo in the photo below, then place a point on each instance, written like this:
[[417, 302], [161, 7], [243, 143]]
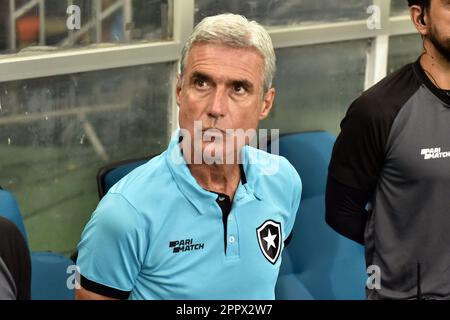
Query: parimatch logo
[[434, 153], [185, 245]]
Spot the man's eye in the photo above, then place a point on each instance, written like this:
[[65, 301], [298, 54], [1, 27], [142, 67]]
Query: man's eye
[[239, 88], [200, 83]]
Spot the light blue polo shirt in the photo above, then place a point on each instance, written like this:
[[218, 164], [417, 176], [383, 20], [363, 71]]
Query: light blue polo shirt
[[158, 234]]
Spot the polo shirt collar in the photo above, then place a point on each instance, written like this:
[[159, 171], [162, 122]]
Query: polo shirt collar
[[203, 200]]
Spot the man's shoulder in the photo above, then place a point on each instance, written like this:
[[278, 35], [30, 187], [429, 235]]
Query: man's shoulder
[[144, 180], [389, 95], [277, 181], [126, 204], [273, 168]]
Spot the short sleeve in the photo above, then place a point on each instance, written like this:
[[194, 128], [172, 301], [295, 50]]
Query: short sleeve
[[296, 194], [113, 245]]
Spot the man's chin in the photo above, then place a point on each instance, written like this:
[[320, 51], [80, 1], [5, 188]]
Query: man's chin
[[444, 50], [442, 46], [213, 154]]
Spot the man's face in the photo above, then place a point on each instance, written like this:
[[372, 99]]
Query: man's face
[[439, 26], [223, 88]]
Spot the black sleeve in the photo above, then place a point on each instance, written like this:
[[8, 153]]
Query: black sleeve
[[345, 210], [359, 152], [103, 290], [288, 239], [15, 254]]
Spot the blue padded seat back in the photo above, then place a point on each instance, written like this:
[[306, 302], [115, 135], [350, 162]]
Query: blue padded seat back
[[50, 277], [109, 175], [49, 270], [328, 265]]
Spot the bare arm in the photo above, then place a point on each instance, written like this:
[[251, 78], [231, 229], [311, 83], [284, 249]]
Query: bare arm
[[83, 294]]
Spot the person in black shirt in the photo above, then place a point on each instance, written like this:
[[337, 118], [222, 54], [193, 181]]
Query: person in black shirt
[[15, 265], [389, 176]]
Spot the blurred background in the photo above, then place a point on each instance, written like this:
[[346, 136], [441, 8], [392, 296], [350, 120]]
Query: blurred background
[[72, 101]]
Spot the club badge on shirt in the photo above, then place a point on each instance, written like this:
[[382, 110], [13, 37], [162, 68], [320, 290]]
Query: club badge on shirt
[[269, 240]]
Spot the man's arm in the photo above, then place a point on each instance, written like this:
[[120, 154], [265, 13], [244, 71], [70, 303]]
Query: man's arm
[[345, 210], [356, 164], [90, 290], [295, 202], [111, 251], [83, 294]]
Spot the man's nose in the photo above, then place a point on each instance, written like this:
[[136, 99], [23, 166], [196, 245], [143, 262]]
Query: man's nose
[[218, 105]]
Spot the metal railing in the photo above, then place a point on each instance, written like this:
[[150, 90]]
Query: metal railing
[[15, 14], [95, 23]]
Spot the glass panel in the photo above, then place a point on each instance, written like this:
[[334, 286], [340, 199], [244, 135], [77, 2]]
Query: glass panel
[[285, 12], [399, 8], [56, 132], [101, 21], [316, 84], [403, 50]]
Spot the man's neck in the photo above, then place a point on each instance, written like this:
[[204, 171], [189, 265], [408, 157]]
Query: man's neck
[[219, 178], [436, 67]]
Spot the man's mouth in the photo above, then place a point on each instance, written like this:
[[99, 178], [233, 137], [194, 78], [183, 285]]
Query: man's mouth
[[211, 134]]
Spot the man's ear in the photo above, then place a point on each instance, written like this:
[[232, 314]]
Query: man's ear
[[419, 19], [267, 103], [178, 89]]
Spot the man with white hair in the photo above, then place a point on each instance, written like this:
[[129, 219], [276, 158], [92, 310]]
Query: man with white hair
[[204, 220]]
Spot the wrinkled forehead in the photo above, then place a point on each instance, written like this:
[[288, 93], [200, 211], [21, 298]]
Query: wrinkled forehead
[[223, 46], [215, 57]]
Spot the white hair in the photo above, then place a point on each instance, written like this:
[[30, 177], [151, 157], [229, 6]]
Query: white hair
[[235, 31]]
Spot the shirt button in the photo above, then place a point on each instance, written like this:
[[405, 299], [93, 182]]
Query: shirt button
[[231, 239], [221, 198]]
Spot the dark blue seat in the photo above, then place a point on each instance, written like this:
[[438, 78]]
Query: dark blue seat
[[318, 263], [108, 175], [49, 270]]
